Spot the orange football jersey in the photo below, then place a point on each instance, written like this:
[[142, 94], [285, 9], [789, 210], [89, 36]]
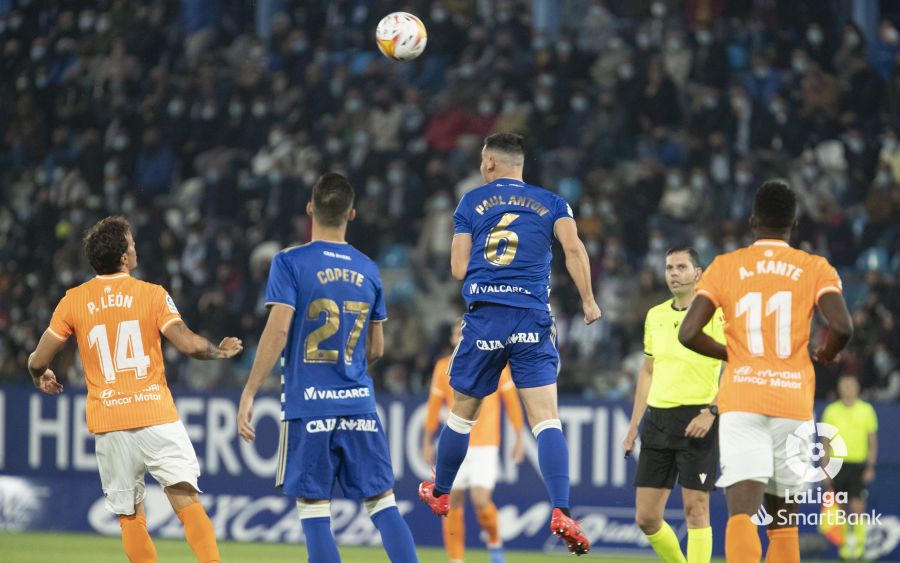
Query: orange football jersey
[[486, 431], [117, 321], [768, 292]]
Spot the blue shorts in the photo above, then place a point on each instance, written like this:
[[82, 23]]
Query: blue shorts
[[493, 335], [352, 449]]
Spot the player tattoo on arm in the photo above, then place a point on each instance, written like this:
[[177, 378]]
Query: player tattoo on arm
[[191, 344]]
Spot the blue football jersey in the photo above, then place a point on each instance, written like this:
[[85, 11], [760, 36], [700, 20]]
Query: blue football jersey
[[511, 224], [335, 291]]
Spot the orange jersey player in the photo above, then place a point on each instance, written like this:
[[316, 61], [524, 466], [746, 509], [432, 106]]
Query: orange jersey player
[[117, 321], [478, 473], [768, 293]]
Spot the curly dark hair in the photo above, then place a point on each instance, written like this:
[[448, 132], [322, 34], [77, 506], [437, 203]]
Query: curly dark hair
[[105, 243], [775, 205]]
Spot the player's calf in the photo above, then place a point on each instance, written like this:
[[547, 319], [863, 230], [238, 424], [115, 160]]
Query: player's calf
[[136, 541], [315, 519], [395, 535]]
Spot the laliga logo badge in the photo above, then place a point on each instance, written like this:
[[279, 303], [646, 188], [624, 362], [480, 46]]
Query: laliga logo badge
[[803, 449]]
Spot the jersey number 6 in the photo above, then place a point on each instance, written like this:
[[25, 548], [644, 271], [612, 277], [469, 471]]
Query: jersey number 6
[[311, 352], [499, 234]]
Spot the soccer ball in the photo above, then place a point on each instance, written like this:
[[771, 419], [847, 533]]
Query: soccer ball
[[401, 36]]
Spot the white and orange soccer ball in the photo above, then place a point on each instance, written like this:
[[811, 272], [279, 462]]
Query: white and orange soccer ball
[[401, 36]]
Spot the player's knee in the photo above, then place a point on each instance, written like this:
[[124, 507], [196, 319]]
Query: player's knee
[[308, 509], [696, 514], [377, 504], [460, 424], [546, 424], [457, 498], [481, 497], [648, 521], [182, 495]]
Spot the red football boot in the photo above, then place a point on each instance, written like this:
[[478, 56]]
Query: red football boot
[[439, 505], [569, 531]]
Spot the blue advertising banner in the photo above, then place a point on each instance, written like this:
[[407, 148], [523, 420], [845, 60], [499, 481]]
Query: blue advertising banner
[[49, 480]]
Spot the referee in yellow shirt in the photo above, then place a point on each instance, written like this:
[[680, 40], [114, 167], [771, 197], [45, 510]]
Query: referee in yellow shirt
[[857, 424], [677, 389]]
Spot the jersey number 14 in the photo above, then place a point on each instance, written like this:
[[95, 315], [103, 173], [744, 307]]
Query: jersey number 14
[[129, 350]]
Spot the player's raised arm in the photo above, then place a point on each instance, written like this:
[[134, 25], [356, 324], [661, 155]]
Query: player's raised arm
[[691, 333], [578, 264], [840, 326], [192, 344], [271, 345]]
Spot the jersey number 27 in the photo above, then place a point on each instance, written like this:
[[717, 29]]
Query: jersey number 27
[[311, 352]]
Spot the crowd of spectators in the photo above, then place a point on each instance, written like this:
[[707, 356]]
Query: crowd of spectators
[[205, 123]]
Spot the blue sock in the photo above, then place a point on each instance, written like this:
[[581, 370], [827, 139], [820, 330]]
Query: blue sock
[[395, 535], [451, 451], [553, 458], [320, 544]]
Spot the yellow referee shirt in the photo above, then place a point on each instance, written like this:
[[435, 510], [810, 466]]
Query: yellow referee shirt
[[680, 376], [854, 424]]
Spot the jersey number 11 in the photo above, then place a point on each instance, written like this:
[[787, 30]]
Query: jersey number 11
[[780, 304]]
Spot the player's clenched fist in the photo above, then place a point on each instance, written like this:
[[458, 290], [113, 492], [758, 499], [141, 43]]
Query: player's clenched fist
[[48, 383], [231, 346], [591, 312]]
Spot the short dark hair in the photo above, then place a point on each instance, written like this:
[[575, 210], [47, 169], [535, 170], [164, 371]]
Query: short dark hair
[[105, 243], [775, 205], [508, 143], [332, 198], [695, 258]]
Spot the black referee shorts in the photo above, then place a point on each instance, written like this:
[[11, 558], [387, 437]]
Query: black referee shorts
[[668, 455], [850, 480]]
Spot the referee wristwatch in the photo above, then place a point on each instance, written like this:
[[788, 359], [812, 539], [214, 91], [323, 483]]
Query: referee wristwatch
[[713, 410]]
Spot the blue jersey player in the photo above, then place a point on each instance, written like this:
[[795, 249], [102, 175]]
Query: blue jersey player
[[329, 431], [502, 250]]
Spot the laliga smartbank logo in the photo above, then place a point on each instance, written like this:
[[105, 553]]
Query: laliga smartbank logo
[[824, 498], [804, 452]]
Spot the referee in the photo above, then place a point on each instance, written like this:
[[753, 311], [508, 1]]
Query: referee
[[857, 424], [677, 388]]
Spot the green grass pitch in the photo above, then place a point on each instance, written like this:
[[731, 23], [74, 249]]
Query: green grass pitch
[[86, 548]]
